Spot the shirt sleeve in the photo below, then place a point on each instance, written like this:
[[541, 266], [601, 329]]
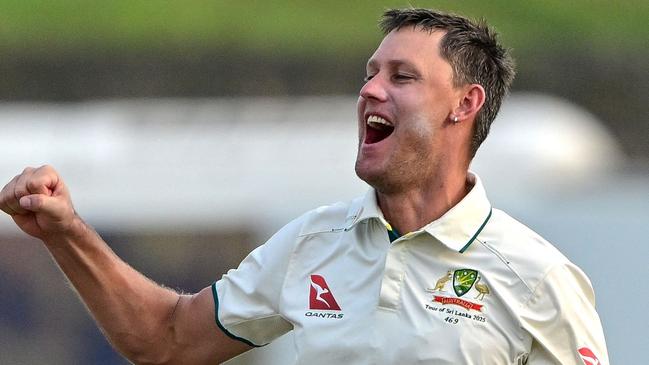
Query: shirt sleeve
[[247, 299], [561, 317]]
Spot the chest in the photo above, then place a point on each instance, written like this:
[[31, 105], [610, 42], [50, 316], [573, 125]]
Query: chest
[[364, 300]]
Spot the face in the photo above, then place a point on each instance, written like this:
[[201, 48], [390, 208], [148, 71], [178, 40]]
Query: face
[[403, 111]]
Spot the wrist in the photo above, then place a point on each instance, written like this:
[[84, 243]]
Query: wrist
[[76, 231]]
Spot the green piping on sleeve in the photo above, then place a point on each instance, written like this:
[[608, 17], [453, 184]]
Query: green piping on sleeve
[[477, 233], [218, 322]]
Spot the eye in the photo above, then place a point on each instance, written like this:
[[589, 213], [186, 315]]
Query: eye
[[402, 77], [368, 78]]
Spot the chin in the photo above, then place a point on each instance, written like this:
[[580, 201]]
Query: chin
[[374, 177], [366, 173]]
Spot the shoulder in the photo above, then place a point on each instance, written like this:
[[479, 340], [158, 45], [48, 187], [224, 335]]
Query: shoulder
[[329, 218], [555, 301], [519, 241], [528, 255]]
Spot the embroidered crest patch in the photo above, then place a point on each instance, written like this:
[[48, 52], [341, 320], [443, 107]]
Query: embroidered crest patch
[[467, 282], [463, 281]]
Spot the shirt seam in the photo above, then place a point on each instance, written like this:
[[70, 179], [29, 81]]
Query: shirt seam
[[536, 287], [502, 258], [329, 230], [507, 263]]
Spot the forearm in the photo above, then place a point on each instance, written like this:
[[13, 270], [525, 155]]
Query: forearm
[[135, 313], [146, 322]]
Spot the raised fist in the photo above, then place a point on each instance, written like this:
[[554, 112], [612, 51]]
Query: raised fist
[[39, 203]]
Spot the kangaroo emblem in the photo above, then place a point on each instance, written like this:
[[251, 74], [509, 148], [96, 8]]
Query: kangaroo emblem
[[441, 282]]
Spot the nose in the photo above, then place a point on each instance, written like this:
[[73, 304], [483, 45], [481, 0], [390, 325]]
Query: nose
[[374, 89]]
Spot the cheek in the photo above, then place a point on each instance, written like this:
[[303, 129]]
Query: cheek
[[422, 128], [418, 128], [417, 140]]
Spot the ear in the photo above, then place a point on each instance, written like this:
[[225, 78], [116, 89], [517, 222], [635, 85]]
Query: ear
[[470, 103]]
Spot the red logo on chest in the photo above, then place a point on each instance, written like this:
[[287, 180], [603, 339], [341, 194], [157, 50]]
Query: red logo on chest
[[320, 296]]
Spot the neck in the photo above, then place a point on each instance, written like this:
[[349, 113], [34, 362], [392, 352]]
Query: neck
[[412, 209]]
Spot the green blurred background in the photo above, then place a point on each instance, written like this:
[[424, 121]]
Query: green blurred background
[[591, 52]]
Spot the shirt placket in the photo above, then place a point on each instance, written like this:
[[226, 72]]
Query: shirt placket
[[394, 275]]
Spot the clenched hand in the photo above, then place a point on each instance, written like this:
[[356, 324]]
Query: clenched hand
[[39, 203]]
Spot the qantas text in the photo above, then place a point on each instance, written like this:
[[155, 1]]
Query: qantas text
[[324, 315]]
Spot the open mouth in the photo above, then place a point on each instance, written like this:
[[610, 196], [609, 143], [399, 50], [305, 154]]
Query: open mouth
[[377, 129]]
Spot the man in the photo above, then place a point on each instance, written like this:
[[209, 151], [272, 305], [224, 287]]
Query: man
[[465, 284]]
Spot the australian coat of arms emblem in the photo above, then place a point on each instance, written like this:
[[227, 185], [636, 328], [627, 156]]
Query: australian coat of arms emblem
[[463, 281]]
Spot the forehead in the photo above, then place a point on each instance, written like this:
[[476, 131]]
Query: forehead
[[408, 45]]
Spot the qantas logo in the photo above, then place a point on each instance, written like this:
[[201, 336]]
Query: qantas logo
[[588, 356], [320, 296]]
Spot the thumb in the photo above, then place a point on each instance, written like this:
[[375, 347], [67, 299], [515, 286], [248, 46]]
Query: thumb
[[40, 203]]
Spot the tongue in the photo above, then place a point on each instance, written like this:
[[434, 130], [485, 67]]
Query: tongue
[[374, 135]]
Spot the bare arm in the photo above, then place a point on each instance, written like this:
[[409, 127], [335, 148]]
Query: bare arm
[[146, 322]]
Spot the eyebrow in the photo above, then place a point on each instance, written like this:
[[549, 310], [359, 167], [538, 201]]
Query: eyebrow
[[373, 63]]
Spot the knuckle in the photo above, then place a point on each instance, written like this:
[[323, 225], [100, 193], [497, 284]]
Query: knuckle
[[33, 184], [14, 180], [20, 191], [28, 169], [20, 187], [47, 169]]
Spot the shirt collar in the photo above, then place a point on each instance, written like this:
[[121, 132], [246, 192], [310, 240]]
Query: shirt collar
[[365, 208], [457, 228]]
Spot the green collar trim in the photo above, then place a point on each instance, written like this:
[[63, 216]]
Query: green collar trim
[[393, 234], [477, 233]]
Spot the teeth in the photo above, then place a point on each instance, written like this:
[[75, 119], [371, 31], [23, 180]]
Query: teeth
[[378, 120]]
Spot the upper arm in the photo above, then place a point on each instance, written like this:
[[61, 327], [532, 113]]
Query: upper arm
[[562, 319], [247, 304], [196, 337]]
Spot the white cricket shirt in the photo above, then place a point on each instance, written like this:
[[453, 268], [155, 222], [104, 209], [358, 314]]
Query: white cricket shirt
[[473, 287]]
